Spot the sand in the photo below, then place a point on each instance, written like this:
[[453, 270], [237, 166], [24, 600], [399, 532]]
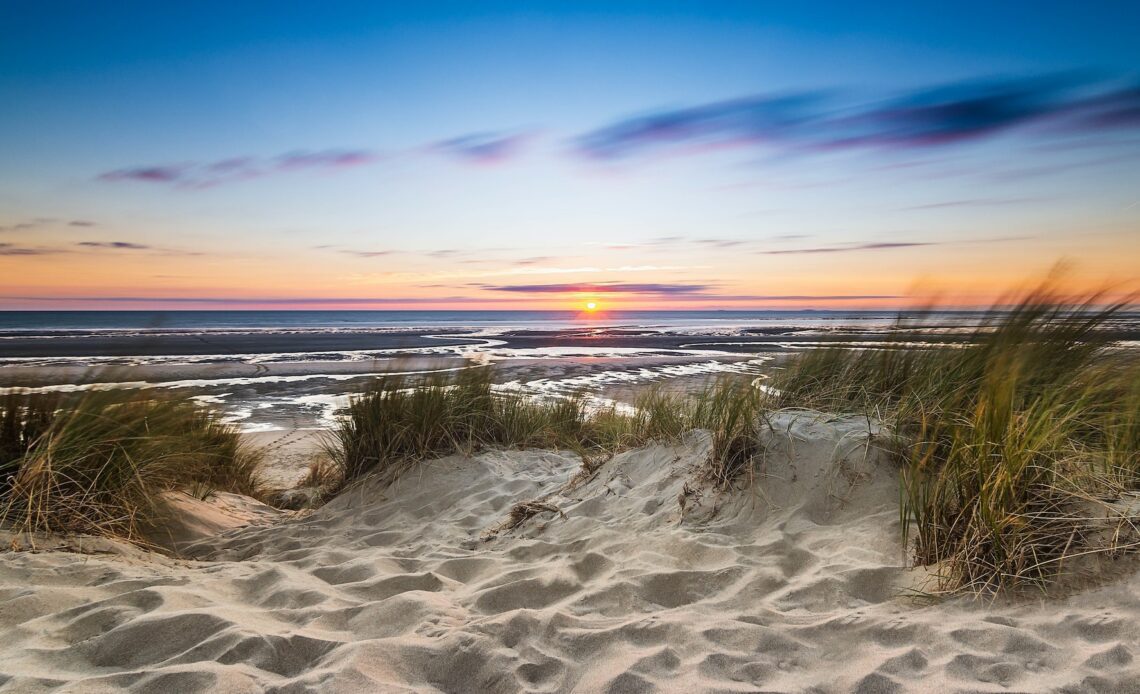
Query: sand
[[287, 454], [613, 585]]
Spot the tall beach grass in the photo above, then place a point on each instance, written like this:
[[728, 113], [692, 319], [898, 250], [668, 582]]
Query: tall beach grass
[[397, 424], [1013, 443], [97, 463]]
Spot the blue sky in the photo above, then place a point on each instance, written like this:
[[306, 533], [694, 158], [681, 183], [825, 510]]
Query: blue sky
[[542, 154]]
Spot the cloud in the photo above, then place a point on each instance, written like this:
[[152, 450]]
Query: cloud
[[1119, 108], [535, 260], [367, 254], [657, 289], [483, 148], [670, 241], [928, 117], [328, 159], [131, 246], [29, 224], [40, 222], [751, 119], [855, 247], [9, 249], [234, 169], [678, 292], [149, 174], [972, 202], [721, 243], [270, 301], [115, 245]]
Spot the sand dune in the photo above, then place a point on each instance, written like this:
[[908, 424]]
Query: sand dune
[[638, 578]]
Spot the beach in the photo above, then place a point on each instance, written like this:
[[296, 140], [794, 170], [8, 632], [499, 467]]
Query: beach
[[614, 585], [637, 567]]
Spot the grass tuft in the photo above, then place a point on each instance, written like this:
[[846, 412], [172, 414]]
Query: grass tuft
[[96, 463], [395, 425], [1006, 438]]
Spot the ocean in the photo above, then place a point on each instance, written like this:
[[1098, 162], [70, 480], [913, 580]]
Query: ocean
[[35, 322], [295, 369]]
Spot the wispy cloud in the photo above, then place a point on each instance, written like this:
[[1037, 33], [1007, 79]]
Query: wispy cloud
[[234, 169], [653, 288], [524, 269], [535, 260], [40, 222], [673, 241], [930, 117], [260, 301], [11, 249], [685, 293], [327, 159], [972, 202], [888, 245], [365, 254], [115, 245], [483, 148]]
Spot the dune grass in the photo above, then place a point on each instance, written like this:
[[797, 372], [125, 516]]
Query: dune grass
[[730, 408], [1008, 441], [397, 424], [96, 463]]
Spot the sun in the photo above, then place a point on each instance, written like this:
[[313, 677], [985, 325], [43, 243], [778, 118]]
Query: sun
[[591, 306]]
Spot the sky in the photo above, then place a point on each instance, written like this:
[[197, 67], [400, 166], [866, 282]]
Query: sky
[[497, 155]]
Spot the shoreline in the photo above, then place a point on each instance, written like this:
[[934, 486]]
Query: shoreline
[[278, 396]]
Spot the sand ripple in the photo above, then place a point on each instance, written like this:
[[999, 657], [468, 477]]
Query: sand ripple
[[797, 588]]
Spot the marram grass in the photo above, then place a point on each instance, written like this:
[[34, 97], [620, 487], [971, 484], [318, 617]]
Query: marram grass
[[1012, 444], [395, 425], [96, 463]]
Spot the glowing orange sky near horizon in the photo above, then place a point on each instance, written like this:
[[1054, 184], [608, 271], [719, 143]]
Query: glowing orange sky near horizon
[[286, 278]]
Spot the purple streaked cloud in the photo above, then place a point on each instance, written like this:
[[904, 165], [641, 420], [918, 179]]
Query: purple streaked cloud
[[115, 245], [234, 169], [272, 301], [11, 249], [675, 292], [882, 246], [148, 174], [483, 148], [657, 289], [927, 117], [40, 222]]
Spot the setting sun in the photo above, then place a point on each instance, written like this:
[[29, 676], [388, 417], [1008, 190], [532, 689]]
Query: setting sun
[[591, 306]]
